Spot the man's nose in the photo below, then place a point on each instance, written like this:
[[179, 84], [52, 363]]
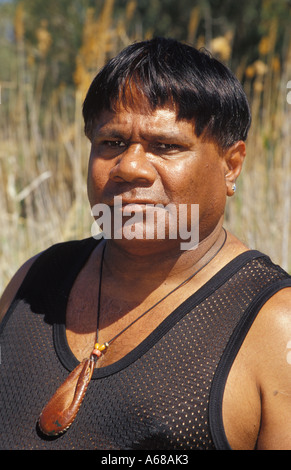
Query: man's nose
[[133, 166]]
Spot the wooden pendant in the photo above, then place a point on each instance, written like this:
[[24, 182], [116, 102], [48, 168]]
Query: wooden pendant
[[60, 412]]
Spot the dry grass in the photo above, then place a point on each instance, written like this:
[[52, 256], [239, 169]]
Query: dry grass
[[260, 214], [43, 153]]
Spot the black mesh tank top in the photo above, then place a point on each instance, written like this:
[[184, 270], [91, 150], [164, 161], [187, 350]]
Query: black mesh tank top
[[164, 395]]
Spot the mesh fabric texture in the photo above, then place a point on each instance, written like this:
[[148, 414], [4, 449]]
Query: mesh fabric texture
[[158, 396]]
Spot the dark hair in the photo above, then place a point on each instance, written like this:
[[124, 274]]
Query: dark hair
[[165, 71]]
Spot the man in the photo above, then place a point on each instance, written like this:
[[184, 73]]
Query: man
[[194, 343]]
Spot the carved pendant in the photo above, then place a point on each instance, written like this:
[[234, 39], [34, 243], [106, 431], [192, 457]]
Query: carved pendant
[[60, 412]]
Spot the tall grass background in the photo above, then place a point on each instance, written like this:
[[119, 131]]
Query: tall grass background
[[44, 153]]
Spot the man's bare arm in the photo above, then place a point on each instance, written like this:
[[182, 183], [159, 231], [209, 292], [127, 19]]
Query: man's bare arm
[[274, 372]]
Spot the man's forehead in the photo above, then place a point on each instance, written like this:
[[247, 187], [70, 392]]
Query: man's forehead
[[121, 117]]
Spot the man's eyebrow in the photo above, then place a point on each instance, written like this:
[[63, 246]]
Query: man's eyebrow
[[103, 133], [169, 135]]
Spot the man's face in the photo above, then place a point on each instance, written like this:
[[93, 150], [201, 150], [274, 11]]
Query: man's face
[[147, 157]]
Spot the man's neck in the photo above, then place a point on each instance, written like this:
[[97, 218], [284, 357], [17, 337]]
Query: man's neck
[[128, 264]]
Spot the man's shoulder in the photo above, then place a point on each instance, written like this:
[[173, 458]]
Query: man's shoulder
[[276, 312], [61, 252], [270, 336], [14, 284]]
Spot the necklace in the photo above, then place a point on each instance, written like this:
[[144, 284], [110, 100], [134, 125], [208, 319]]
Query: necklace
[[62, 409]]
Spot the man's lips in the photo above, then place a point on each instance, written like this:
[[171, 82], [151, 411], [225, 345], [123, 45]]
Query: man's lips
[[138, 203], [128, 207], [125, 202]]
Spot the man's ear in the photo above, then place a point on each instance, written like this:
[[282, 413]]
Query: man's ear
[[234, 158]]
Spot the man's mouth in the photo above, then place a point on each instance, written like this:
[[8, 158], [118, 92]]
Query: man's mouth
[[132, 203]]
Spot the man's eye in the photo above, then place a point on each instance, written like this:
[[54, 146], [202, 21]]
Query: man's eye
[[167, 147], [114, 143]]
